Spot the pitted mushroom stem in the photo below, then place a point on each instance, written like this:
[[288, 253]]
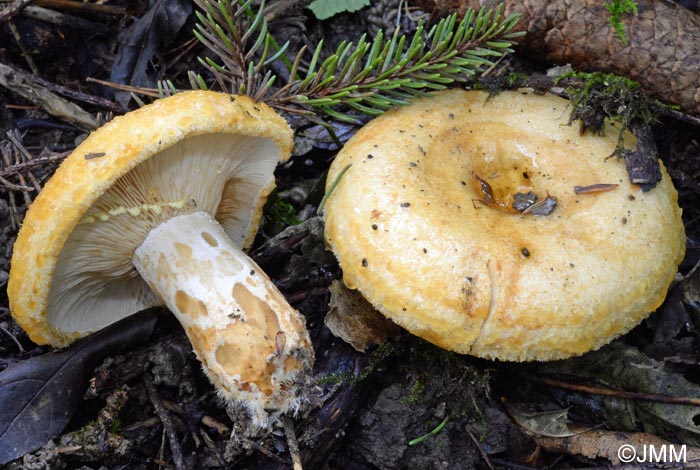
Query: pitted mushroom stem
[[252, 344]]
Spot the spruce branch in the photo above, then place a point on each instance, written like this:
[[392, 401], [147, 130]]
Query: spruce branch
[[369, 76], [235, 33]]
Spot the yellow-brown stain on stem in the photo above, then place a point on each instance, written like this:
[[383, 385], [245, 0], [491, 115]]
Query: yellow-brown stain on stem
[[184, 261], [184, 251], [202, 340], [258, 312], [291, 364], [209, 238], [248, 344], [190, 306], [274, 295]]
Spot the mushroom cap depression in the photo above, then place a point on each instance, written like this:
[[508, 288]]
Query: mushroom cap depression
[[195, 150], [423, 225]]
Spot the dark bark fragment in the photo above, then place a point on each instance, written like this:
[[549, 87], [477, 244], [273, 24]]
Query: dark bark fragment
[[643, 162]]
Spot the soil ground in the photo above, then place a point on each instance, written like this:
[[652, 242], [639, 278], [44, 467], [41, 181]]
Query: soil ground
[[372, 410]]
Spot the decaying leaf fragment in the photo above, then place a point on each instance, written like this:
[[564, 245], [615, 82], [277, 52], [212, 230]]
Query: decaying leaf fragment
[[625, 368], [606, 444], [354, 320], [145, 40], [541, 423], [39, 396]]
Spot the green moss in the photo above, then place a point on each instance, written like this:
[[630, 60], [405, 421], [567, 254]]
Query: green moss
[[617, 8], [279, 214], [598, 96], [415, 395], [377, 357], [435, 376], [336, 378], [383, 352], [516, 79], [115, 426]]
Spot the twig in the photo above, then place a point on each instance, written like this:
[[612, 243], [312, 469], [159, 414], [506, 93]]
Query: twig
[[25, 53], [16, 139], [14, 187], [27, 197], [180, 52], [64, 19], [28, 165], [35, 181], [22, 107], [13, 9], [80, 6], [493, 67], [483, 453], [13, 147], [681, 116], [146, 423], [152, 92], [292, 443], [50, 102], [70, 93], [12, 337], [167, 423], [214, 424], [621, 393], [306, 293], [262, 449], [67, 450], [5, 150]]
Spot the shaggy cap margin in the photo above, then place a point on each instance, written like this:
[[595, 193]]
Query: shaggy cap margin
[[107, 154]]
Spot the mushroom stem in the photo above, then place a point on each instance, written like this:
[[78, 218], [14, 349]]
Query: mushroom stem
[[252, 344]]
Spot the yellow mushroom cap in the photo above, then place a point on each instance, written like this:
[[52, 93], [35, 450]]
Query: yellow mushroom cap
[[414, 229], [200, 150]]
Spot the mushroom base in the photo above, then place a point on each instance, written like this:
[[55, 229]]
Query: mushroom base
[[252, 344]]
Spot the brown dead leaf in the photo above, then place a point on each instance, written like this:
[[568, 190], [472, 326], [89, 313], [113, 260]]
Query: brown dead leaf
[[600, 443], [624, 368], [540, 423], [354, 320]]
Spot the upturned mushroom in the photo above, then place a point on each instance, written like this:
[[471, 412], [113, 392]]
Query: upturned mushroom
[[155, 208], [490, 227]]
